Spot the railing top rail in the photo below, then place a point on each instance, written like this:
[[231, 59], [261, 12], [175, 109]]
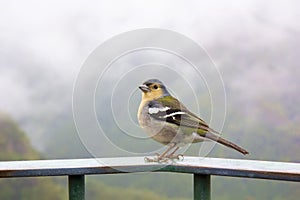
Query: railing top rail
[[194, 165]]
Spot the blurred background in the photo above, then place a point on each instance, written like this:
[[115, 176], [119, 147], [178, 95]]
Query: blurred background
[[255, 44]]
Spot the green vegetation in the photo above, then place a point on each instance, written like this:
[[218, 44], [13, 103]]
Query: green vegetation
[[14, 145]]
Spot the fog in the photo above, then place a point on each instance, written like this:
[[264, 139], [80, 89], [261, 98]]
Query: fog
[[43, 45]]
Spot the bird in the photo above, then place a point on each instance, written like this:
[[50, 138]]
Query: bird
[[168, 121]]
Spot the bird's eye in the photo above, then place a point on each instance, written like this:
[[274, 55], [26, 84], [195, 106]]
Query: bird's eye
[[155, 87]]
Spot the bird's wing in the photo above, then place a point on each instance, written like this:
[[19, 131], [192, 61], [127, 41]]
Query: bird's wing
[[171, 110]]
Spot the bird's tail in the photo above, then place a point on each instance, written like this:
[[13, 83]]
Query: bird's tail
[[225, 142]]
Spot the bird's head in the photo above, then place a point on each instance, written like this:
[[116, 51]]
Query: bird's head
[[153, 89]]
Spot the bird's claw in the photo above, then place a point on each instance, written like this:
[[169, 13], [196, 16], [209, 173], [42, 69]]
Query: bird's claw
[[156, 159], [180, 157], [167, 158], [148, 159], [177, 157]]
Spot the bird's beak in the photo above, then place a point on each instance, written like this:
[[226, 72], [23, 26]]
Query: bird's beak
[[144, 88]]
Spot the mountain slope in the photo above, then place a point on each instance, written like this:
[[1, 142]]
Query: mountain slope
[[14, 145]]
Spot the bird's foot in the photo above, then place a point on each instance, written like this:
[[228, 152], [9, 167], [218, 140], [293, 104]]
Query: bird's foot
[[177, 157], [157, 158]]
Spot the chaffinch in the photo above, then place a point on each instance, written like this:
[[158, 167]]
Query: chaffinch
[[168, 121]]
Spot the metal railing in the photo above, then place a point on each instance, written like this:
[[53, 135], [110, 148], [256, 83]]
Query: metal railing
[[202, 168]]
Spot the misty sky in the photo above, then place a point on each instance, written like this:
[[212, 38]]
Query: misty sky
[[44, 43]]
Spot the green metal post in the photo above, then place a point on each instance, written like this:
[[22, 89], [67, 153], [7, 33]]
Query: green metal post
[[76, 187], [202, 187]]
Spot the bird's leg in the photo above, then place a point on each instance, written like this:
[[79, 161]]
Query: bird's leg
[[172, 156], [172, 153], [160, 157]]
